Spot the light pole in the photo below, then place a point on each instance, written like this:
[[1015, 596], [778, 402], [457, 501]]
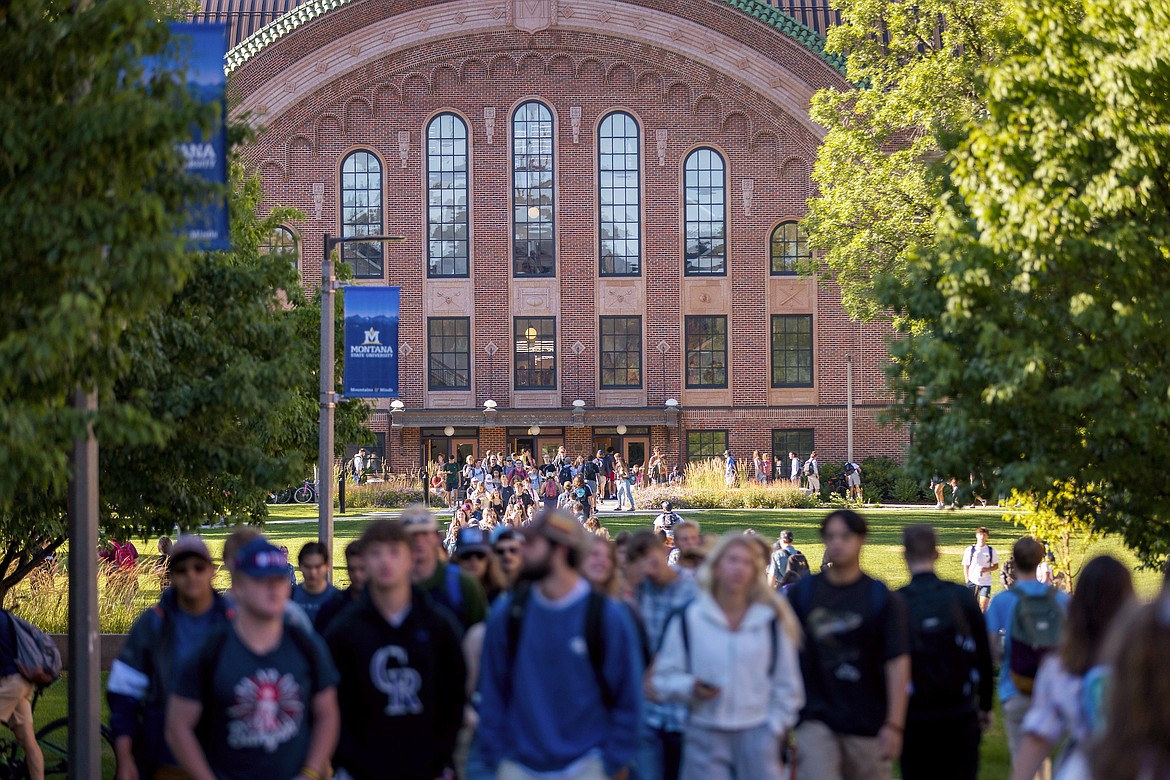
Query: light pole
[[328, 396]]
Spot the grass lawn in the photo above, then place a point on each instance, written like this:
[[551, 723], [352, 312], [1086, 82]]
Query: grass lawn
[[294, 525]]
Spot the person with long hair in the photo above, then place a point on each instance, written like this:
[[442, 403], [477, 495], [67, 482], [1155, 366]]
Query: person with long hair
[[476, 558], [732, 655], [1069, 680], [1135, 742], [600, 567]]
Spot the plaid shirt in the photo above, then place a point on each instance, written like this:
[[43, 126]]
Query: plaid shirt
[[656, 605]]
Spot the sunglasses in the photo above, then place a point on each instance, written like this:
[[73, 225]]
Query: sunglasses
[[475, 556], [507, 551], [194, 568]]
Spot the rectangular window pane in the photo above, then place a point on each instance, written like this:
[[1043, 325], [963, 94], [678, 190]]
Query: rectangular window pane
[[706, 351], [449, 353], [621, 352], [704, 196], [619, 197], [533, 249], [361, 213], [535, 355], [792, 361], [702, 445], [798, 440], [448, 248]]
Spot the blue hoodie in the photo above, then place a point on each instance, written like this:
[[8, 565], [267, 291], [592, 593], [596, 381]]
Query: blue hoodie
[[554, 714]]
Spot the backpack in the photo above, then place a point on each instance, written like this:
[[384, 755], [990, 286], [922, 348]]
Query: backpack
[[681, 615], [849, 468], [550, 488], [1007, 574], [1035, 632], [590, 470], [807, 467], [565, 474], [594, 636], [37, 658], [942, 648], [450, 597]]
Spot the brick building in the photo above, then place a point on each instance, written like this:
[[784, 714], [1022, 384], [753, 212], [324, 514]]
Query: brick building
[[599, 200]]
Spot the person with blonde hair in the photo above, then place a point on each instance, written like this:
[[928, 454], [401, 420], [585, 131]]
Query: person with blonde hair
[[1135, 742], [732, 655]]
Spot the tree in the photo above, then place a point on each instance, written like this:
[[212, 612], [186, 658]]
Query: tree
[[91, 194], [1045, 301], [920, 70], [1069, 537]]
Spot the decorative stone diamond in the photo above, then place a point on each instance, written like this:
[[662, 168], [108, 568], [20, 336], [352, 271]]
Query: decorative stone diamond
[[490, 348], [663, 347], [578, 348]]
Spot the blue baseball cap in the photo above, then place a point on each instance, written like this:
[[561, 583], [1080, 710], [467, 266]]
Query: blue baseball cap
[[259, 558], [471, 540]]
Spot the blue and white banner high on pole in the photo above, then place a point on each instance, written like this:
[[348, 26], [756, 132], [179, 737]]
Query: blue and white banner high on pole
[[371, 342], [198, 50]]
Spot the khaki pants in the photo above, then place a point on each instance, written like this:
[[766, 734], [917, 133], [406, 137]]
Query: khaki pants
[[1014, 710], [15, 700], [822, 754]]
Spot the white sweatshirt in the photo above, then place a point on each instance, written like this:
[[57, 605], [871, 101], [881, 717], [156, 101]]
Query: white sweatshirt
[[735, 661]]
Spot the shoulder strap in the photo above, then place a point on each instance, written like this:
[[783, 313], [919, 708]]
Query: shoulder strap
[[304, 644], [454, 588], [775, 628], [517, 606], [877, 597], [595, 642]]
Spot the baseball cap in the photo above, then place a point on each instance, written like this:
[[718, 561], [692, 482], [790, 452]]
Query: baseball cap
[[786, 536], [560, 528], [419, 519], [471, 540], [189, 546], [259, 558]]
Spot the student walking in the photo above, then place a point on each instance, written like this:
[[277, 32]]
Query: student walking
[[659, 592], [561, 681], [950, 665], [1070, 684], [855, 662], [732, 655], [442, 580], [315, 591], [1026, 621], [161, 640], [402, 671], [1135, 744], [812, 470], [259, 698], [980, 560]]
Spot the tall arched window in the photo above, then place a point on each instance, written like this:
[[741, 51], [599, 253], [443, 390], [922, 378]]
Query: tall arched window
[[533, 225], [619, 196], [706, 216], [448, 245], [361, 212], [790, 252]]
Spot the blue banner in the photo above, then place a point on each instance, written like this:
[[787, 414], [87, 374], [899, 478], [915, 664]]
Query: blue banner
[[198, 50], [371, 342]]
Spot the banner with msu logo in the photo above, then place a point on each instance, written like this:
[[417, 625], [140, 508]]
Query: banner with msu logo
[[371, 342]]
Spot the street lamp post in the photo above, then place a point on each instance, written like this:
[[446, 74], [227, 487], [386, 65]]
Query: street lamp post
[[328, 397]]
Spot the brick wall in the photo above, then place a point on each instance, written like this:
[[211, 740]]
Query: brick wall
[[384, 107]]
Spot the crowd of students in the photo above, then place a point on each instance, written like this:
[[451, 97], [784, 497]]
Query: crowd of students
[[545, 651]]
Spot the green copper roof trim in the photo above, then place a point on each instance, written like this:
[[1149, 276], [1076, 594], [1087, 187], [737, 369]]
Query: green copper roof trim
[[769, 15]]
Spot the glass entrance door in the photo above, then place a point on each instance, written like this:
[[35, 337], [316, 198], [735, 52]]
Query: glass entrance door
[[637, 452]]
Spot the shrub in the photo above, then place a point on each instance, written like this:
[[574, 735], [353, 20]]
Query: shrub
[[830, 479], [397, 491], [750, 496], [878, 476], [907, 490]]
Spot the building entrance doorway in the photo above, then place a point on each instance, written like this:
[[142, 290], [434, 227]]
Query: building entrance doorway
[[462, 443], [545, 441], [633, 443]]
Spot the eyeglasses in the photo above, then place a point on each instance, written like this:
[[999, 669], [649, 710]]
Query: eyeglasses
[[507, 551]]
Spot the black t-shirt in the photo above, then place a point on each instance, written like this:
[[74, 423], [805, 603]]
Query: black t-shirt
[[850, 631], [7, 645], [257, 710], [548, 469]]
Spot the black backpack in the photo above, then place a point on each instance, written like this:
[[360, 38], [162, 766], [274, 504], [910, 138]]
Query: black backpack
[[849, 468], [594, 636], [590, 470], [942, 648], [565, 474]]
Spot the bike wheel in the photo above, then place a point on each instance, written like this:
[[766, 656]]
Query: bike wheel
[[284, 496], [54, 742], [303, 495]]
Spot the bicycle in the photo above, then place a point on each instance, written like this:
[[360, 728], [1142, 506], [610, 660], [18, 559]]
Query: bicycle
[[306, 493], [54, 741]]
